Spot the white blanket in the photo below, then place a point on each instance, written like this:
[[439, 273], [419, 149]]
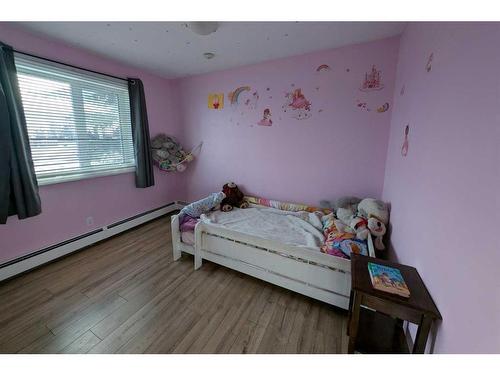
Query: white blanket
[[294, 228]]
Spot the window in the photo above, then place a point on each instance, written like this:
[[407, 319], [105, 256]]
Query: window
[[78, 122]]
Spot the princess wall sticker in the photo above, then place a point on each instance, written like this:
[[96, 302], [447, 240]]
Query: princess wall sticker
[[296, 105], [266, 118], [404, 147]]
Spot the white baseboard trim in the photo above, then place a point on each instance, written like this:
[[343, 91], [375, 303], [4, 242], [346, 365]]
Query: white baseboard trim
[[37, 258]]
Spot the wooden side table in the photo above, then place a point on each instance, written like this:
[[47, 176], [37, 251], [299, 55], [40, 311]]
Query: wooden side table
[[375, 317]]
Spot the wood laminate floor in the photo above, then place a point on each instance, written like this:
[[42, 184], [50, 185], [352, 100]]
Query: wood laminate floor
[[127, 295]]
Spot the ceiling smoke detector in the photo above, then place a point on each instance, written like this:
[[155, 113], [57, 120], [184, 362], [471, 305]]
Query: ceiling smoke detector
[[203, 28], [209, 55]]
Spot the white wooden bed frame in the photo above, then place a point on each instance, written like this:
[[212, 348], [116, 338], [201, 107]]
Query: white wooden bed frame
[[306, 271]]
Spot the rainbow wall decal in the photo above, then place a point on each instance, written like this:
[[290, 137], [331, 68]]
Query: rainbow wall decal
[[233, 95], [323, 68]]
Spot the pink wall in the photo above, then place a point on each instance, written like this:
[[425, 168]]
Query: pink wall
[[340, 150], [108, 199], [445, 194]]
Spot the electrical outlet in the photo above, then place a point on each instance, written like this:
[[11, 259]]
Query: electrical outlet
[[90, 221]]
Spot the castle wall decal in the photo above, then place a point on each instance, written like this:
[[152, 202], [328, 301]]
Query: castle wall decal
[[372, 81]]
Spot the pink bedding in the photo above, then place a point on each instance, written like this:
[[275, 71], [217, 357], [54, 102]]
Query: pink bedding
[[188, 223], [187, 229]]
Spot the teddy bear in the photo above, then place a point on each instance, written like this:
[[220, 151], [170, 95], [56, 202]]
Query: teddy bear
[[377, 230], [376, 212], [234, 197]]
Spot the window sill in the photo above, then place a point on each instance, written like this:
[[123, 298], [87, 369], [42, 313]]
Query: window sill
[[44, 181]]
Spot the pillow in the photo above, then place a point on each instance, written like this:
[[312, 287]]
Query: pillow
[[285, 206], [197, 208]]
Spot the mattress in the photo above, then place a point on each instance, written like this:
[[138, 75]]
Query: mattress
[[301, 229]]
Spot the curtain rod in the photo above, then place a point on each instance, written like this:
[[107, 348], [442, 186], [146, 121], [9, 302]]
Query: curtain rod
[[70, 65]]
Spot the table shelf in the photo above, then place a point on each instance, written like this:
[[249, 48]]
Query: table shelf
[[380, 334]]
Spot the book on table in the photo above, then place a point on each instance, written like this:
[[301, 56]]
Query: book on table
[[388, 279]]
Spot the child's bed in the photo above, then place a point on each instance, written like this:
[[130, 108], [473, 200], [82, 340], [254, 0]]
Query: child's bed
[[301, 268]]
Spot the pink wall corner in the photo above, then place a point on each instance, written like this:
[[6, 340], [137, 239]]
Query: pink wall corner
[[340, 150], [443, 194], [107, 199]]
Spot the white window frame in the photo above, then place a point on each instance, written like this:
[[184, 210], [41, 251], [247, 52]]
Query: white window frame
[[61, 176]]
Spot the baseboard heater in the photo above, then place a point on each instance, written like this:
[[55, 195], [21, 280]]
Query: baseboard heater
[[35, 259]]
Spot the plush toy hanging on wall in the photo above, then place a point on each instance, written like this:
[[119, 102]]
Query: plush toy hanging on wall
[[168, 154]]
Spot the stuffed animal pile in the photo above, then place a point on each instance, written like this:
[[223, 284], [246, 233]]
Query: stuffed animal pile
[[361, 217], [340, 243], [168, 154]]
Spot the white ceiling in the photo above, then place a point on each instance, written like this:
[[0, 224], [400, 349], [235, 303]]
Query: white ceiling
[[172, 50]]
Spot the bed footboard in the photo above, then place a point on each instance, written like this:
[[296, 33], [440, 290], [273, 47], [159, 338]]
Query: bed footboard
[[314, 274]]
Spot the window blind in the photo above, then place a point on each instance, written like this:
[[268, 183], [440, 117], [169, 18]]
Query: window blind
[[78, 122]]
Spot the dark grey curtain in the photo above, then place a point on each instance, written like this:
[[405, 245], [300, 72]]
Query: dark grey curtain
[[144, 176], [18, 185]]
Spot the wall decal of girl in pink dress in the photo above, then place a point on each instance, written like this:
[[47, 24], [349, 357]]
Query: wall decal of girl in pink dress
[[297, 105], [404, 147], [266, 118]]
